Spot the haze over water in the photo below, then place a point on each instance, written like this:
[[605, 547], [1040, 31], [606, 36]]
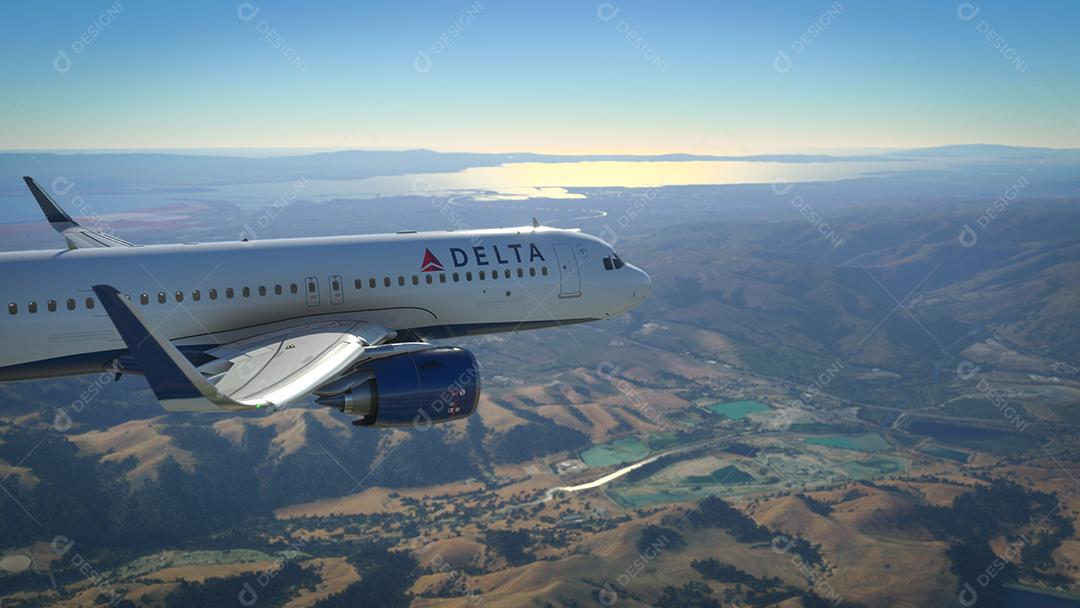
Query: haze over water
[[511, 180]]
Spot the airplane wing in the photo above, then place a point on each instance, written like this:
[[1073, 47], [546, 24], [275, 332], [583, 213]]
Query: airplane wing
[[76, 235], [271, 369]]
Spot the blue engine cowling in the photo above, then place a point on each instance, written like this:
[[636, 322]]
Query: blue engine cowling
[[415, 389]]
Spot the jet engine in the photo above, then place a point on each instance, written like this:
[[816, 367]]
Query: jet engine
[[419, 388]]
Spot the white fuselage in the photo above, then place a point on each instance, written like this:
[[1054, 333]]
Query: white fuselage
[[200, 295]]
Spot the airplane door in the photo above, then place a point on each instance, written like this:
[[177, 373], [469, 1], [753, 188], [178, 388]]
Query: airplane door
[[336, 295], [569, 276], [312, 290]]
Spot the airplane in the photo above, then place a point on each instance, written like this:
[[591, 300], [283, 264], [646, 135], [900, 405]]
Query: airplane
[[233, 326]]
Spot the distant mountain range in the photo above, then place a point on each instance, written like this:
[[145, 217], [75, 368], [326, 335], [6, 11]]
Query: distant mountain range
[[122, 171]]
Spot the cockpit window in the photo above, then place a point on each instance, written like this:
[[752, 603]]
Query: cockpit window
[[613, 262]]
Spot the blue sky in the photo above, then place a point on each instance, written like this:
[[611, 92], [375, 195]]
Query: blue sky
[[562, 76]]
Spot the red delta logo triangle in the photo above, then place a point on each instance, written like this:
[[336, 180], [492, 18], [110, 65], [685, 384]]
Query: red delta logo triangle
[[430, 263]]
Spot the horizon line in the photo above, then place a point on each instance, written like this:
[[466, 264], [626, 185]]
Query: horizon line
[[270, 150]]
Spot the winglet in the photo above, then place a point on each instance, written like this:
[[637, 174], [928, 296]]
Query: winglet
[[174, 380], [76, 235], [53, 212]]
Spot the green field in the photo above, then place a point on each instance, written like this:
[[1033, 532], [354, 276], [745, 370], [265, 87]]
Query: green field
[[151, 563], [737, 410], [944, 452], [627, 449], [986, 439], [865, 442], [727, 476], [875, 467], [981, 409], [670, 439], [648, 499]]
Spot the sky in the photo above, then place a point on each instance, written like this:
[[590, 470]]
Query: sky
[[554, 77]]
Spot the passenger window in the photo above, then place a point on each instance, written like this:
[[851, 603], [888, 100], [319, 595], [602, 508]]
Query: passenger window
[[293, 289], [51, 305], [31, 307], [371, 282], [212, 293], [229, 292], [521, 273], [386, 281], [415, 280], [70, 304], [506, 273], [13, 309], [532, 271], [481, 275], [262, 290], [277, 290], [543, 270], [179, 296], [161, 297], [468, 275], [442, 277], [427, 278], [196, 296], [335, 285], [494, 275], [400, 281], [89, 304], [144, 299], [357, 284], [245, 291], [457, 277]]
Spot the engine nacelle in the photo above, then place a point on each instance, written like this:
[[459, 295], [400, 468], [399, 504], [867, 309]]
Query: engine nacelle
[[421, 388]]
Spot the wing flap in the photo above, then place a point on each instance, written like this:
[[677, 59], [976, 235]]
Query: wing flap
[[289, 363], [174, 380], [271, 369]]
